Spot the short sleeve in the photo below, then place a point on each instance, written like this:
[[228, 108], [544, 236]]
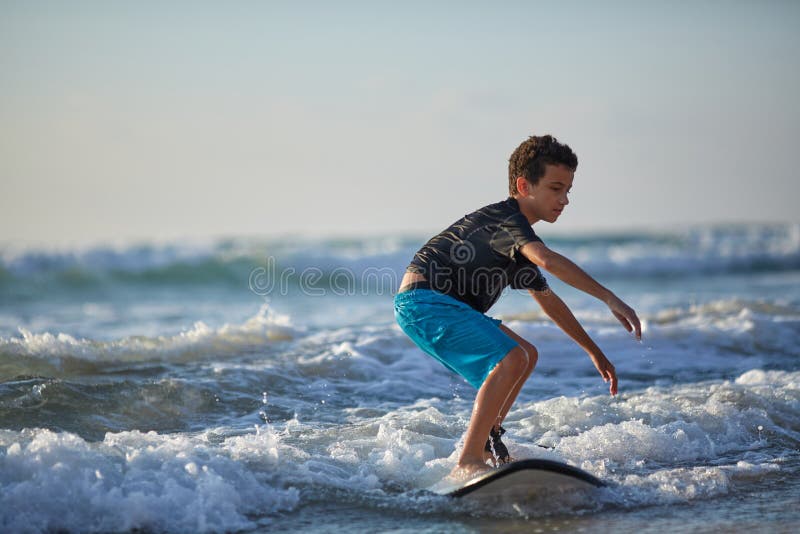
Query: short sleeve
[[527, 276], [512, 234]]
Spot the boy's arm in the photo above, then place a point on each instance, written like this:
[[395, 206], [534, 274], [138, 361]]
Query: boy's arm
[[558, 311], [570, 273]]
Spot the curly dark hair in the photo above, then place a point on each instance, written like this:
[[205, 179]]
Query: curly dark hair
[[529, 159]]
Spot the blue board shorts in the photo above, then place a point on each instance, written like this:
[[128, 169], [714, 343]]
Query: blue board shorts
[[462, 338]]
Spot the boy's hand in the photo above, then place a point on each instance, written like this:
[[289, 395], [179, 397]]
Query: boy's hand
[[606, 371], [625, 315]]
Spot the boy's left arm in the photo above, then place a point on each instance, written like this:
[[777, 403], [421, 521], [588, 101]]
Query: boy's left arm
[[566, 270], [558, 311]]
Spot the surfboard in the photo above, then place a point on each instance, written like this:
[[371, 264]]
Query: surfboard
[[524, 479]]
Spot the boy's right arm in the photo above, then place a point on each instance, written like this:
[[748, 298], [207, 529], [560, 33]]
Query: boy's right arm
[[570, 273], [560, 313]]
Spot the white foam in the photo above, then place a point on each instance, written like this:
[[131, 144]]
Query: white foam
[[667, 445], [668, 486], [199, 342], [655, 446], [131, 480], [757, 377]]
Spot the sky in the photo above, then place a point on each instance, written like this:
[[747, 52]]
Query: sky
[[170, 120]]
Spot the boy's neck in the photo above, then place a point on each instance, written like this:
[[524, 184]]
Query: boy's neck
[[532, 219]]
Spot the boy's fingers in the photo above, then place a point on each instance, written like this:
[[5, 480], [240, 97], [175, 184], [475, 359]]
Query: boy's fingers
[[633, 320], [622, 319], [637, 325], [609, 375], [631, 323]]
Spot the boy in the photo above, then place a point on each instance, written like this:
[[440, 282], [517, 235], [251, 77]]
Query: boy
[[459, 274]]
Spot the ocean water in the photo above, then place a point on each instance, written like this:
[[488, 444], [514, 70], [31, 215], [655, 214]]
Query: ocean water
[[262, 385]]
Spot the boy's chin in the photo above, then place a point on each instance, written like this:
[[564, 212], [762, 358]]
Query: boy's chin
[[549, 217]]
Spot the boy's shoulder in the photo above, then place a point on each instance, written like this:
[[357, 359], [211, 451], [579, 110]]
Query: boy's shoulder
[[503, 213], [506, 208]]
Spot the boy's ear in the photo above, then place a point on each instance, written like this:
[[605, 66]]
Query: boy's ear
[[522, 185]]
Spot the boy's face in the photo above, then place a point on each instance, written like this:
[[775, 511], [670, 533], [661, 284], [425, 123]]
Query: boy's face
[[546, 200]]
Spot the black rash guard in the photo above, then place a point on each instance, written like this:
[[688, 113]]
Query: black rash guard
[[479, 255]]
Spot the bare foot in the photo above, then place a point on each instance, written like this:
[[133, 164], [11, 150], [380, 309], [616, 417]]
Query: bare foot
[[465, 472]]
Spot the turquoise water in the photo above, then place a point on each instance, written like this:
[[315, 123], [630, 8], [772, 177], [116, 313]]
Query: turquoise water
[[246, 385]]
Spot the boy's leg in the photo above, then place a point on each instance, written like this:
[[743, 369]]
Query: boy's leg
[[533, 357], [492, 396]]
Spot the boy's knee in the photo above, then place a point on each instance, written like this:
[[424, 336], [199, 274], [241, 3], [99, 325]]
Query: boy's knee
[[533, 355], [517, 360]]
